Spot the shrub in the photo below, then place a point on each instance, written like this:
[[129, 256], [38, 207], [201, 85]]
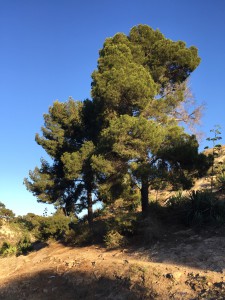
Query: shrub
[[176, 200], [125, 224], [218, 212], [7, 249], [220, 180], [202, 205], [197, 209], [113, 239], [177, 208], [53, 227], [24, 245]]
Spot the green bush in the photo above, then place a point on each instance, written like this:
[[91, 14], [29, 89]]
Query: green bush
[[24, 245], [79, 234], [113, 239], [177, 208], [53, 227], [7, 249], [220, 181], [44, 227], [197, 209], [125, 224], [218, 212], [29, 224], [176, 200], [202, 208]]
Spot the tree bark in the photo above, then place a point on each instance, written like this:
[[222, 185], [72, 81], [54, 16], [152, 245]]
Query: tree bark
[[90, 209], [144, 197]]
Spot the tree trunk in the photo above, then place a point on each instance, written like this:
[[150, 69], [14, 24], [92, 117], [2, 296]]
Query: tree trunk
[[144, 197], [90, 209]]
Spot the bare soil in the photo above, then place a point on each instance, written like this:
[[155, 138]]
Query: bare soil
[[183, 265]]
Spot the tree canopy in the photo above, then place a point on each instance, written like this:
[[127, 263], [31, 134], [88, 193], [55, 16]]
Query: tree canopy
[[129, 133], [64, 183]]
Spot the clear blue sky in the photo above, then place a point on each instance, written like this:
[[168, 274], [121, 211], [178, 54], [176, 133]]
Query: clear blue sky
[[49, 48]]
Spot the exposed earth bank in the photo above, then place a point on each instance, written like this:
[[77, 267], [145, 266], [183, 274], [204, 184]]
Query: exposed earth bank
[[184, 265]]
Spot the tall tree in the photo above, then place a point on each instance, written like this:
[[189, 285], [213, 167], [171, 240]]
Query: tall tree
[[138, 88], [137, 92]]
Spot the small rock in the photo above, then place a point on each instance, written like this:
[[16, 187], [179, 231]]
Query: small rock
[[169, 275], [177, 275], [70, 264], [45, 291]]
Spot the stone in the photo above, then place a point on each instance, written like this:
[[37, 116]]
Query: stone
[[177, 275]]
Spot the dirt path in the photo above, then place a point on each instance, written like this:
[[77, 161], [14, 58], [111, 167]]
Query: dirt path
[[59, 272]]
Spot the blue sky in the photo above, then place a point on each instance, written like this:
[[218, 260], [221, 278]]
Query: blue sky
[[49, 48]]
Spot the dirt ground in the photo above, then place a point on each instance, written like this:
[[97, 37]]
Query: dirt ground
[[183, 265]]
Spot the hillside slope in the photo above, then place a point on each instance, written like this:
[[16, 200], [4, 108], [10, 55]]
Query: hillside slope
[[182, 266]]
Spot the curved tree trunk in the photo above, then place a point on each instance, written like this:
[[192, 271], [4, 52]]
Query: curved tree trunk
[[90, 208], [144, 197]]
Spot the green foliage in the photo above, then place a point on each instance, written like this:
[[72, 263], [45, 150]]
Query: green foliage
[[29, 224], [132, 137], [79, 234], [7, 249], [220, 181], [128, 136], [139, 85], [68, 182], [215, 152], [114, 239], [133, 69], [206, 208], [44, 227], [24, 245], [53, 227], [176, 200], [123, 223], [199, 208], [6, 213]]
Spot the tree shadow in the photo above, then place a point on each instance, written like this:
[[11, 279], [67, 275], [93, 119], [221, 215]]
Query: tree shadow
[[47, 285], [203, 249], [164, 237], [184, 234], [38, 245]]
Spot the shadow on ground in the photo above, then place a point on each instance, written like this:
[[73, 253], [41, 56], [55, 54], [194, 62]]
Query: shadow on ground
[[74, 285], [202, 249]]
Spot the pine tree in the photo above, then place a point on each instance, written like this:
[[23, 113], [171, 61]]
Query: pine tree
[[128, 134], [67, 181], [138, 88]]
